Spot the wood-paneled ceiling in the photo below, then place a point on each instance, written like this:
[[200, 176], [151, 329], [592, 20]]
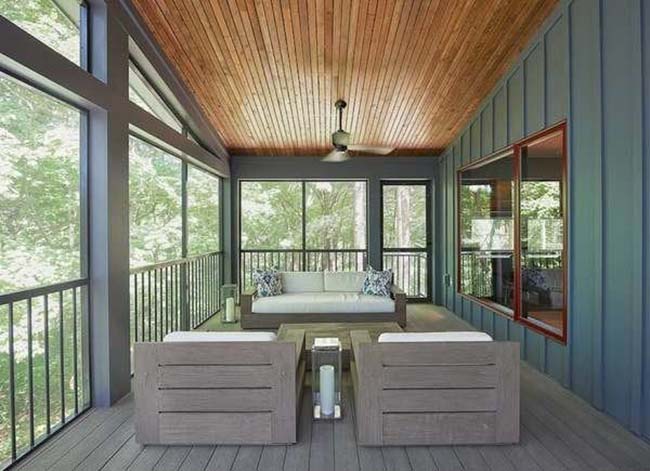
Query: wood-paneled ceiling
[[267, 72]]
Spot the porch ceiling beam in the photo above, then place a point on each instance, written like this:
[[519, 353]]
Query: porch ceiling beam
[[171, 85], [168, 138], [23, 55]]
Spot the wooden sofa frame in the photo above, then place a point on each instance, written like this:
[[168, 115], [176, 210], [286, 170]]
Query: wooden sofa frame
[[447, 393], [251, 320], [207, 393]]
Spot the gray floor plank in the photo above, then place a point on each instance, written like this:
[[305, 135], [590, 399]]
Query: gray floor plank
[[148, 458], [560, 432], [223, 458], [470, 458], [124, 457], [520, 458], [197, 458], [599, 422], [248, 457], [395, 458], [420, 458], [553, 443], [495, 459], [321, 453], [72, 435], [172, 459], [346, 457], [96, 438], [111, 445], [297, 455], [596, 434], [272, 458], [543, 457], [589, 455], [445, 458]]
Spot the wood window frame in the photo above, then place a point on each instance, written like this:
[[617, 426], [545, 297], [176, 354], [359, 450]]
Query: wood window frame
[[515, 150]]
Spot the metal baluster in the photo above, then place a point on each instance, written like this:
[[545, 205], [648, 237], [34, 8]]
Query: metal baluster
[[142, 321], [46, 333], [62, 358], [12, 380], [30, 366], [75, 381], [167, 303], [135, 308]]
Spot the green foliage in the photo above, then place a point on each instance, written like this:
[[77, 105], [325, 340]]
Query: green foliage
[[271, 215], [405, 216], [335, 215], [203, 212], [155, 219], [39, 245], [44, 20]]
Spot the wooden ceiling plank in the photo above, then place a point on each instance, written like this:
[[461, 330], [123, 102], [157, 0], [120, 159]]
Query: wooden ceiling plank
[[267, 73]]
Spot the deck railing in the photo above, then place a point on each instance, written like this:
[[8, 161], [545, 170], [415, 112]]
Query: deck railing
[[175, 295], [299, 260], [410, 272], [44, 370], [477, 267]]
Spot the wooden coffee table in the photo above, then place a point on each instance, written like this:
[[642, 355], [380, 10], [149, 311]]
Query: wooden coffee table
[[340, 330]]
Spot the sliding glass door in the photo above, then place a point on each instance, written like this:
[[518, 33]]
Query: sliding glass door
[[406, 235]]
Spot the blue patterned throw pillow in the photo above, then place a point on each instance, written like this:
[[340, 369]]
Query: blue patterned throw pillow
[[377, 283], [268, 282]]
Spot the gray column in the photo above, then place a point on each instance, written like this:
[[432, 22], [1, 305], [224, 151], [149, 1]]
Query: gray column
[[109, 217], [374, 222]]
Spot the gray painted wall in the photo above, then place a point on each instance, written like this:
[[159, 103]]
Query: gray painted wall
[[588, 64], [372, 169]]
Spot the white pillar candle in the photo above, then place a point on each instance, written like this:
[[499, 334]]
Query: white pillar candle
[[230, 309], [327, 390]]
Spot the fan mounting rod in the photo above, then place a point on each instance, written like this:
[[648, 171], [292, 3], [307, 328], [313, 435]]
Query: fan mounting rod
[[340, 104]]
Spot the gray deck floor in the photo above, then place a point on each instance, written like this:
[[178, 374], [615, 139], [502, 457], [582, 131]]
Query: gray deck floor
[[559, 432]]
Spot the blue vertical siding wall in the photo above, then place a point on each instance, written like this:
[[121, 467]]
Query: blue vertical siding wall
[[589, 65]]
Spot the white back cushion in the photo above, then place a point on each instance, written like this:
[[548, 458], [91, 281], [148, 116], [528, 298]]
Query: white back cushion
[[342, 281], [434, 337], [220, 337], [302, 281]]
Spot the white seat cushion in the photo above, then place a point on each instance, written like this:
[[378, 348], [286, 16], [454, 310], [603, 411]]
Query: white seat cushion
[[342, 281], [324, 302], [220, 336], [434, 337], [302, 281]]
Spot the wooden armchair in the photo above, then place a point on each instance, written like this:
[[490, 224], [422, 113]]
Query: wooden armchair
[[206, 393], [435, 393]]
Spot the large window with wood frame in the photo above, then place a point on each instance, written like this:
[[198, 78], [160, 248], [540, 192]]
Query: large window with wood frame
[[512, 231]]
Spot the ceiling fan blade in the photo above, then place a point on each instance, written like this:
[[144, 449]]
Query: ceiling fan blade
[[379, 150], [337, 156]]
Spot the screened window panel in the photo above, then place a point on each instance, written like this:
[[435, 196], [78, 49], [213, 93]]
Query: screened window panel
[[155, 204], [43, 338], [271, 215], [40, 201], [404, 216], [203, 212], [143, 94], [335, 215], [55, 23]]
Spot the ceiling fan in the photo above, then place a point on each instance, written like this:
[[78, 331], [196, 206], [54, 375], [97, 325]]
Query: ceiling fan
[[341, 142]]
